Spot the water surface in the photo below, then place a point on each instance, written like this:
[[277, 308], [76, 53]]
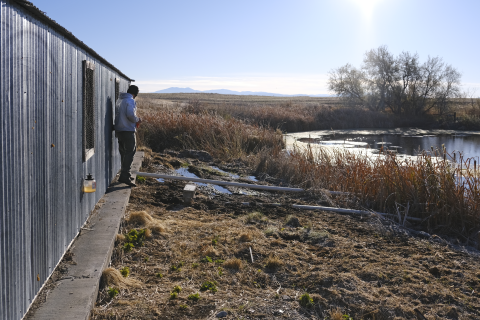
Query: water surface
[[406, 142]]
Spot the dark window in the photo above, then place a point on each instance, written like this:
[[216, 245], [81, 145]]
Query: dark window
[[117, 93], [117, 89], [88, 109]]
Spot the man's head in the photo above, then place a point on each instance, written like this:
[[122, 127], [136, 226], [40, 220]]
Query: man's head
[[133, 90]]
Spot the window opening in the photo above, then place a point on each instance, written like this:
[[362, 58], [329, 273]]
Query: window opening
[[88, 109], [117, 93], [117, 89]]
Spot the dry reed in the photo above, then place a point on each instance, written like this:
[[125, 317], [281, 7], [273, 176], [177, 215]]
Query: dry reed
[[223, 138], [445, 193]]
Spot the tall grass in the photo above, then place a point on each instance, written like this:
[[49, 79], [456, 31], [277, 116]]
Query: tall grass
[[307, 114], [223, 138], [443, 193]]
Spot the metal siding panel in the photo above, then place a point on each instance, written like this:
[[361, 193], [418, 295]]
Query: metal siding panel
[[16, 102], [29, 83], [3, 274], [42, 207], [67, 149]]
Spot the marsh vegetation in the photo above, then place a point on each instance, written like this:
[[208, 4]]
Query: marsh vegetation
[[220, 257]]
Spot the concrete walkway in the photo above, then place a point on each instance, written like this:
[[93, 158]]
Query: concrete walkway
[[75, 295]]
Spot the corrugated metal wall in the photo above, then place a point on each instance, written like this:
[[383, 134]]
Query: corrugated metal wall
[[41, 169]]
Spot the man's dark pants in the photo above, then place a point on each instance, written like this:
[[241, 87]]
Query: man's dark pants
[[127, 146]]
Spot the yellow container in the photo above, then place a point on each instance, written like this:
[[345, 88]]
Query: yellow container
[[89, 184]]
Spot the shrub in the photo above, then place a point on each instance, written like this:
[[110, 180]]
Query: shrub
[[112, 292], [125, 271], [209, 285], [215, 240], [206, 259], [133, 239], [194, 297], [306, 301]]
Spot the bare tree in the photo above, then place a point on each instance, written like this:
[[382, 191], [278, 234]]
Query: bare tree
[[399, 84], [348, 83], [382, 73]]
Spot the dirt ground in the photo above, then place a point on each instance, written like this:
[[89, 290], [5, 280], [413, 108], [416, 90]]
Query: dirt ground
[[351, 266]]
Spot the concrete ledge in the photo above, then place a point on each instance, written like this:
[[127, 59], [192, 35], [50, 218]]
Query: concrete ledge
[[75, 294]]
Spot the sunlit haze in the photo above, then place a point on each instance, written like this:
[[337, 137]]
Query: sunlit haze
[[366, 7], [277, 46]]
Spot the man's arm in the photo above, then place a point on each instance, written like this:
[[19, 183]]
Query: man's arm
[[131, 112]]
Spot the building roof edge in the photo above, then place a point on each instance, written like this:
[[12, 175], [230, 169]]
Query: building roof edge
[[36, 13]]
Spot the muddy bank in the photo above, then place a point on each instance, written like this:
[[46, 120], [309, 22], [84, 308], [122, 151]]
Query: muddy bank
[[364, 267]]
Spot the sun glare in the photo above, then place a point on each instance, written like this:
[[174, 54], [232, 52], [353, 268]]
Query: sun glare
[[367, 7]]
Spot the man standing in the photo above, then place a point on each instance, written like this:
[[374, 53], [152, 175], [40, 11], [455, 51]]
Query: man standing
[[126, 121]]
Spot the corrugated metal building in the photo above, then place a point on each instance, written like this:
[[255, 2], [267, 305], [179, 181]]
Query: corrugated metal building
[[57, 103]]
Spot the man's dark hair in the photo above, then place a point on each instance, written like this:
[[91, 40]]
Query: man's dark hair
[[133, 90]]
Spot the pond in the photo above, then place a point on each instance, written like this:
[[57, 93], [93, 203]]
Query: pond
[[406, 142]]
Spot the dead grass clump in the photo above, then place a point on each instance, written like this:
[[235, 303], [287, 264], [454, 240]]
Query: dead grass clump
[[140, 218], [245, 237], [143, 219], [293, 221], [336, 314], [234, 264], [148, 233], [316, 236], [254, 217], [273, 262], [211, 252], [270, 231], [113, 278], [120, 238], [277, 242], [127, 302]]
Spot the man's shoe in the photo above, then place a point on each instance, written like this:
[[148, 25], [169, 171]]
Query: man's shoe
[[127, 182]]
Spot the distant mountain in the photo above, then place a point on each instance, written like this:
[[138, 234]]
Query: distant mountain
[[243, 93]]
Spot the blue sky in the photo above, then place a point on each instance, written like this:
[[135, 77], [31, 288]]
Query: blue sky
[[267, 45]]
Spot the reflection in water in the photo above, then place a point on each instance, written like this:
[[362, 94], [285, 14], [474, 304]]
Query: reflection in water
[[407, 142]]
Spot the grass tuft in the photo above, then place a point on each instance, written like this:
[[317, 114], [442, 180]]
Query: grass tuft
[[245, 237], [235, 264], [254, 217], [273, 262]]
